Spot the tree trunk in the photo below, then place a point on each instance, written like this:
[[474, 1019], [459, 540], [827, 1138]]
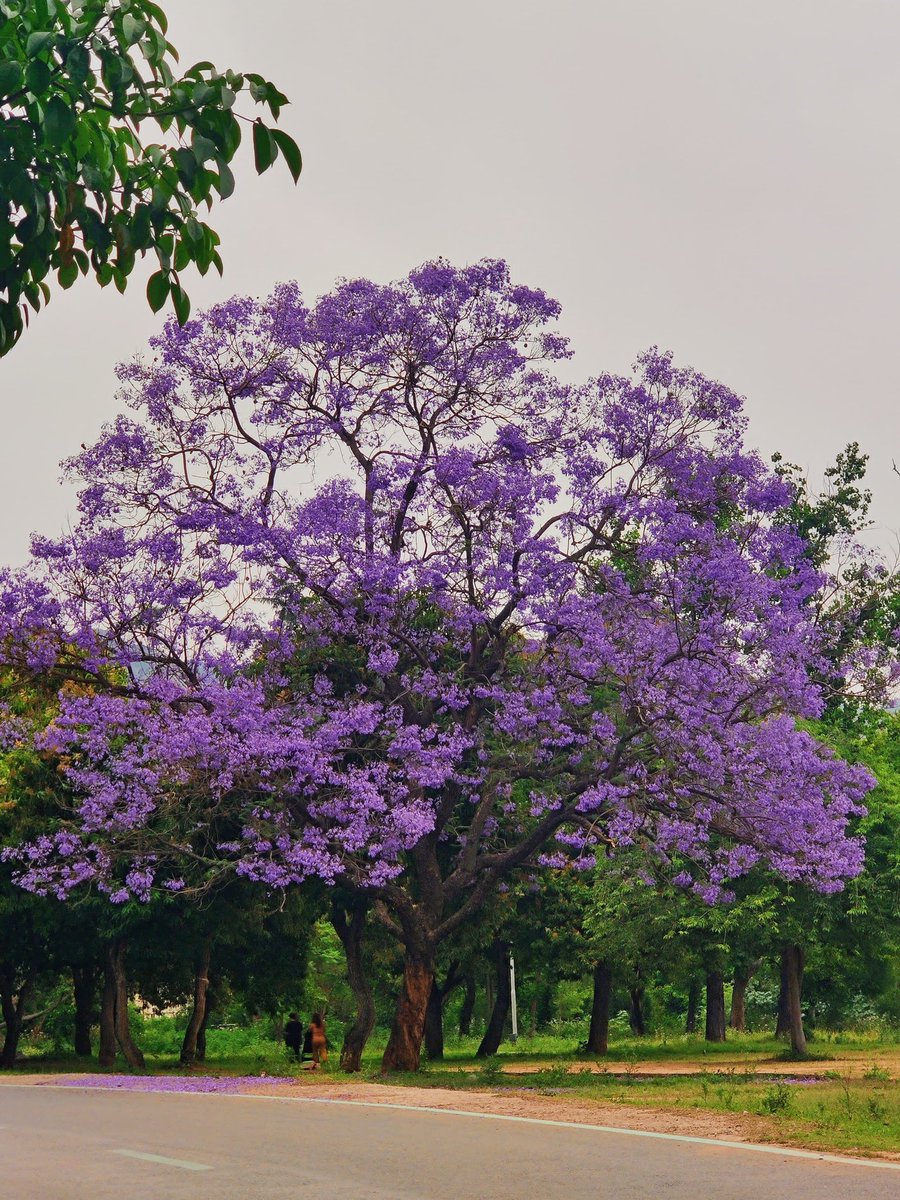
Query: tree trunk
[[598, 1034], [12, 1005], [351, 934], [405, 1043], [106, 1056], [12, 1031], [201, 1032], [198, 1013], [434, 1024], [434, 1014], [783, 1020], [693, 1004], [715, 1006], [116, 951], [493, 1035], [83, 988], [738, 1018], [468, 1007], [636, 1011], [792, 963]]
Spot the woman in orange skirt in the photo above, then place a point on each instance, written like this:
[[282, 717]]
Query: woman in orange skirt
[[319, 1041]]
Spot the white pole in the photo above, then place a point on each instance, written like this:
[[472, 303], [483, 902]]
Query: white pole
[[512, 998]]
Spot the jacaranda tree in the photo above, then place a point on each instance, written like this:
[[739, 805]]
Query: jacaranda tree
[[401, 609]]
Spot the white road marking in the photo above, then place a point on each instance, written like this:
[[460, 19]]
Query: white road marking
[[166, 1162], [756, 1147]]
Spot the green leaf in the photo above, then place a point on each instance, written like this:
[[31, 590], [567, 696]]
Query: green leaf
[[37, 77], [67, 274], [82, 139], [33, 295], [157, 290], [37, 42], [10, 78], [226, 180], [182, 256], [154, 11], [78, 64], [193, 230], [203, 148], [181, 302], [186, 162], [290, 150], [59, 121], [264, 148], [132, 28]]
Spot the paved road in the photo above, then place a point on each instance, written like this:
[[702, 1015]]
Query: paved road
[[72, 1144]]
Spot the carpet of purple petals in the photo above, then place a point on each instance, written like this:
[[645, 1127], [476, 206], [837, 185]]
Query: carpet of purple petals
[[180, 1083]]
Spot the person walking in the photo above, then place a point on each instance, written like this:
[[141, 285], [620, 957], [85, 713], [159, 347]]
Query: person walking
[[293, 1035], [318, 1040]]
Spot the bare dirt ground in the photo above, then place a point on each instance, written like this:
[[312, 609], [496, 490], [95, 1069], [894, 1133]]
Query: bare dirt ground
[[844, 1062], [728, 1126]]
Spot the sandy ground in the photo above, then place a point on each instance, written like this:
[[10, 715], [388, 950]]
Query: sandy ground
[[844, 1062]]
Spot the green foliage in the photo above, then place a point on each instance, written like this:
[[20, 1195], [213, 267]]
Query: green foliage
[[107, 155], [841, 509], [777, 1099]]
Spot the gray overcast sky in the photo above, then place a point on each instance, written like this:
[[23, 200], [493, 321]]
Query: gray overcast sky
[[720, 178]]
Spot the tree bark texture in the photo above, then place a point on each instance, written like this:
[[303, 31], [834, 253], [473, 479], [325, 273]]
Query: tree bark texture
[[738, 1018], [792, 964], [13, 998], [434, 1023], [598, 1033], [715, 1006], [493, 1035], [351, 934], [434, 1014], [115, 952], [198, 1012], [106, 1055], [83, 983], [404, 1047], [783, 1020], [467, 1007], [201, 1033], [693, 1005], [636, 1011]]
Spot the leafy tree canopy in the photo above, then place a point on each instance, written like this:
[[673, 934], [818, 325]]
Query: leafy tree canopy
[[107, 154]]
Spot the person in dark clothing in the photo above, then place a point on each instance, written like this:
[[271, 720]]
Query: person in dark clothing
[[293, 1035]]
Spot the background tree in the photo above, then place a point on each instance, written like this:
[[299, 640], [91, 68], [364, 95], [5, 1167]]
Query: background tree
[[106, 154]]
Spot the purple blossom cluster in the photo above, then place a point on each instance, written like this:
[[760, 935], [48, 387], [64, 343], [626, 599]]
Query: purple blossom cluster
[[172, 1083], [362, 591]]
